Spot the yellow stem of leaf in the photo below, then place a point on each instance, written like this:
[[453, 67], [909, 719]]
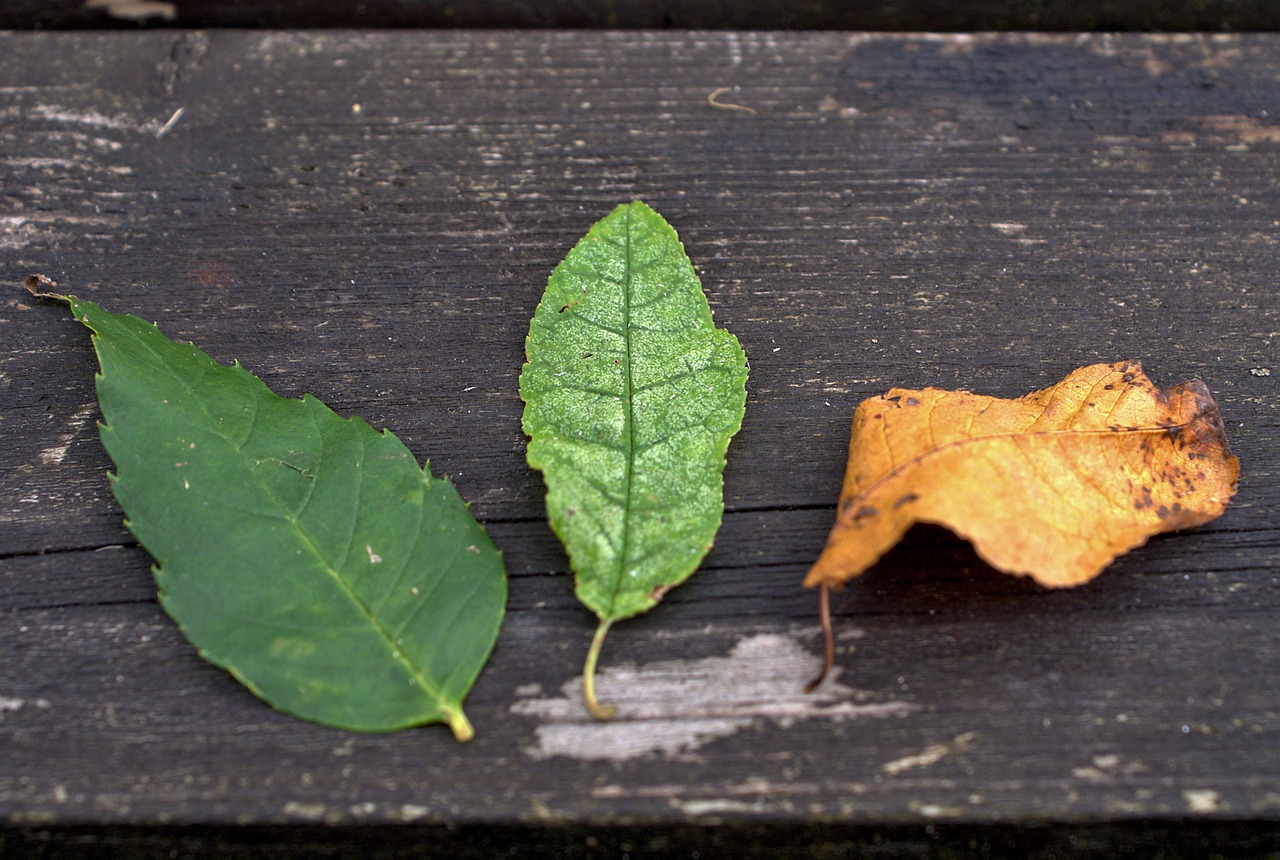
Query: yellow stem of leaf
[[461, 726], [599, 711], [824, 612]]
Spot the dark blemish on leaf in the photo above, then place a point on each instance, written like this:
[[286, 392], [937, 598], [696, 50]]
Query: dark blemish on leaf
[[660, 592], [906, 500], [587, 355], [864, 512], [894, 399], [1109, 386], [1146, 501], [1162, 512], [846, 504], [913, 401]]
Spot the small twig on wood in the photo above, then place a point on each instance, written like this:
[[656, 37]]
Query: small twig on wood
[[719, 91], [173, 120]]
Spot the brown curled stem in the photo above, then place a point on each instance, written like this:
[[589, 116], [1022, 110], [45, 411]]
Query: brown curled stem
[[824, 612]]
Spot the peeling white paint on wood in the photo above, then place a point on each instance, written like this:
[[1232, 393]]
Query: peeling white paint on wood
[[89, 118], [135, 10], [12, 236], [1202, 800], [55, 454], [931, 754], [674, 707], [1106, 768]]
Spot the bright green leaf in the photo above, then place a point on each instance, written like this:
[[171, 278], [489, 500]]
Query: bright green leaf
[[631, 395], [305, 553]]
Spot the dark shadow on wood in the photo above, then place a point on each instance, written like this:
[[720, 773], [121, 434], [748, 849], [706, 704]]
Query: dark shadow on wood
[[907, 16], [1035, 841]]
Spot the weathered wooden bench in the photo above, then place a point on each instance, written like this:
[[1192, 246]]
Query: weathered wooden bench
[[371, 217]]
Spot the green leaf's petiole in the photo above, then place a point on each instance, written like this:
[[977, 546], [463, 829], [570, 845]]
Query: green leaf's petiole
[[461, 726], [599, 711]]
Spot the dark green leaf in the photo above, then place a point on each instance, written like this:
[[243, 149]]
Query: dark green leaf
[[305, 553], [631, 395]]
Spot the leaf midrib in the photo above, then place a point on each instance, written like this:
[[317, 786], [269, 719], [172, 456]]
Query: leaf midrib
[[428, 688], [628, 419]]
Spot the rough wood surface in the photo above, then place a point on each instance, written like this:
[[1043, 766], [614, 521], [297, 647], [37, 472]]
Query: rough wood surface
[[371, 217], [903, 15]]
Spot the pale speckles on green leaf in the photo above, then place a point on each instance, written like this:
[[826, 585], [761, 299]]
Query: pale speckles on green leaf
[[631, 396], [307, 554]]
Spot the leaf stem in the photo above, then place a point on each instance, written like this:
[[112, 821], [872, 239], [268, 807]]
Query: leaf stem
[[461, 726], [599, 711], [37, 284], [824, 612]]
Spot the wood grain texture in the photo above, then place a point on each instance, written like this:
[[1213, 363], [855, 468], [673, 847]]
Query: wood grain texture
[[371, 217], [901, 15]]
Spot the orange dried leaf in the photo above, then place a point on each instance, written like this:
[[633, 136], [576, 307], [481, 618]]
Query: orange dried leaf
[[1053, 485]]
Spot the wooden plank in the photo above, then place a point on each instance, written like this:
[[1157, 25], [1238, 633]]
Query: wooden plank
[[371, 217], [1212, 16]]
